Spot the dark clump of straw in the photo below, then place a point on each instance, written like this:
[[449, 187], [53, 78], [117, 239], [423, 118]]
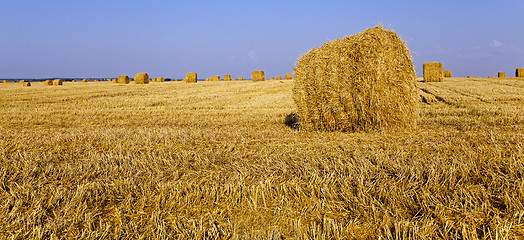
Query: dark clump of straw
[[364, 82]]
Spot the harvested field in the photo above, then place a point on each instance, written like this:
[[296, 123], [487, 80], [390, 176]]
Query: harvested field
[[215, 160]]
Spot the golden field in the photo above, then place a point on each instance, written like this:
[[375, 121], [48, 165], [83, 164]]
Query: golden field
[[214, 160]]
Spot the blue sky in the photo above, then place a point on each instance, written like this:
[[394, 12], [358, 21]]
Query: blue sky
[[107, 38]]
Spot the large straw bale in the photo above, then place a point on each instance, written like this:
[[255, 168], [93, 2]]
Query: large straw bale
[[519, 72], [26, 84], [363, 82], [433, 72], [279, 78], [48, 83], [141, 78], [191, 77], [227, 77], [447, 74], [502, 75], [258, 75], [57, 82], [288, 76], [213, 78], [123, 79]]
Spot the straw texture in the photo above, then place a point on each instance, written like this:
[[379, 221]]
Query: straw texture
[[123, 79], [141, 78], [191, 77], [227, 77], [258, 75], [447, 74], [363, 82], [288, 76], [502, 75], [433, 72]]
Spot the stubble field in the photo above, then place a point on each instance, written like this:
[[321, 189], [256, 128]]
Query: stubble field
[[215, 160]]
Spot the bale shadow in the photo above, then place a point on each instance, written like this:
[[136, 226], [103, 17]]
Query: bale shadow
[[292, 121]]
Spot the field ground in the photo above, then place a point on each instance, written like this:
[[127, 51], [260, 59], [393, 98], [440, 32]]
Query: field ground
[[215, 160]]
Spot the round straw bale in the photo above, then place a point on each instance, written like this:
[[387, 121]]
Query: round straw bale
[[57, 82], [73, 80], [26, 84], [227, 77], [288, 76], [258, 75], [191, 77], [213, 78], [271, 78], [279, 78], [85, 80], [96, 80], [48, 83], [240, 78], [160, 79], [22, 81], [141, 78], [433, 72], [5, 81], [123, 79], [502, 75], [519, 72], [470, 76], [363, 82]]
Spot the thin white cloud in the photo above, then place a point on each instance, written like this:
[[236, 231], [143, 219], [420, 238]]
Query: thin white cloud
[[496, 43], [252, 55]]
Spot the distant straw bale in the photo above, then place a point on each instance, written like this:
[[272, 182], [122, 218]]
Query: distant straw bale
[[227, 77], [58, 82], [160, 79], [363, 82], [191, 77], [73, 80], [96, 80], [48, 83], [490, 77], [447, 74], [26, 84], [22, 81], [141, 78], [213, 78], [433, 72], [113, 80], [240, 78], [519, 72], [470, 76], [258, 75], [279, 77], [288, 76], [271, 78], [5, 81], [123, 79], [85, 80], [502, 75]]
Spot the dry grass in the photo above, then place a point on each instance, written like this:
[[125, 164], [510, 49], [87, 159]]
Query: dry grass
[[215, 161]]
